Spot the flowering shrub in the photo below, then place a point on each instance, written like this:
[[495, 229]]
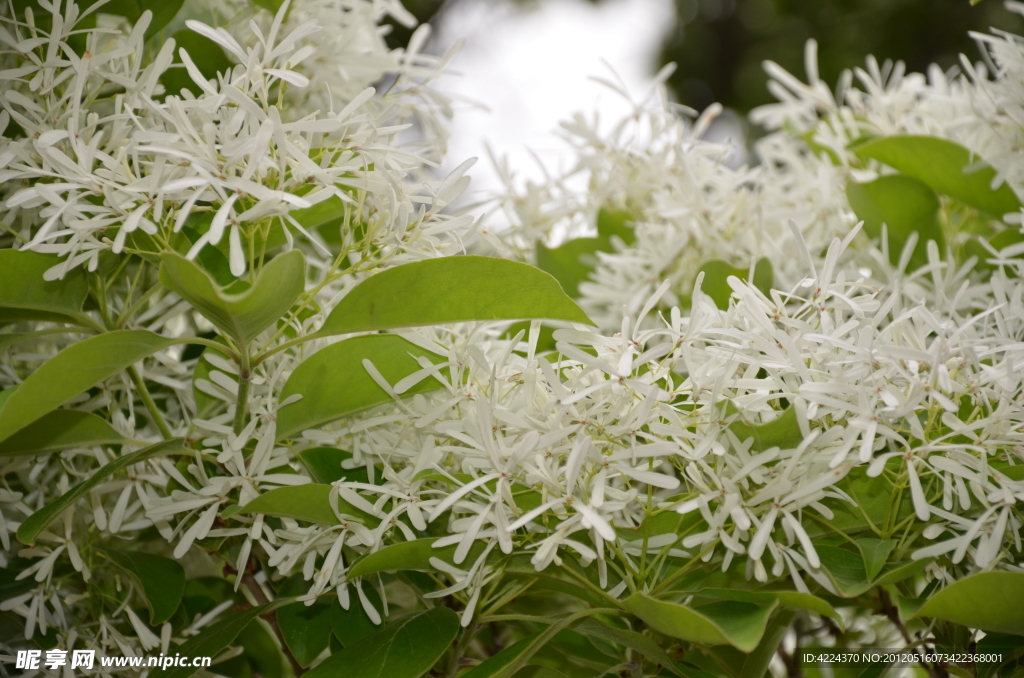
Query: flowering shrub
[[264, 399]]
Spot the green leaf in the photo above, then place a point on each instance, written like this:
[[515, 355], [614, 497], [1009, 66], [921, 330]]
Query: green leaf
[[450, 290], [214, 639], [37, 522], [408, 555], [727, 623], [208, 57], [615, 222], [352, 625], [324, 464], [60, 430], [538, 672], [241, 316], [941, 164], [334, 383], [573, 261], [905, 205], [163, 11], [161, 580], [716, 279], [514, 657], [631, 639], [306, 629], [756, 663], [875, 552], [21, 279], [990, 601], [311, 503], [75, 369], [407, 648], [845, 569], [272, 5], [791, 599], [782, 432]]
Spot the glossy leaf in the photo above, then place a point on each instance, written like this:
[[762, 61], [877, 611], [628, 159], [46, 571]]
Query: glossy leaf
[[905, 205], [514, 657], [727, 623], [782, 432], [243, 315], [213, 640], [310, 503], [716, 279], [161, 580], [845, 569], [163, 11], [406, 648], [791, 599], [875, 552], [78, 367], [946, 167], [208, 57], [408, 555], [756, 663], [572, 262], [37, 522], [450, 290], [645, 645], [324, 464], [21, 279], [990, 601], [305, 629], [334, 383], [351, 625], [61, 430]]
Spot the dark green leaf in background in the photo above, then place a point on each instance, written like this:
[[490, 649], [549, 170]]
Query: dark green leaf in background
[[406, 648], [60, 430], [161, 580]]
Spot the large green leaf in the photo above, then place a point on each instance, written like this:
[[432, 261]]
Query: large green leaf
[[334, 383], [23, 287], [407, 648], [61, 430], [875, 552], [324, 464], [449, 290], [941, 164], [161, 580], [716, 279], [905, 205], [509, 661], [163, 11], [37, 522], [616, 222], [75, 369], [790, 599], [726, 623], [242, 315], [352, 625], [845, 569], [783, 431], [408, 555], [645, 645], [213, 640], [573, 261], [756, 663], [310, 503], [208, 57], [306, 629], [990, 601]]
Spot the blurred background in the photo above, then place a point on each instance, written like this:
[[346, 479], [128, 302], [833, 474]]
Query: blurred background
[[526, 64]]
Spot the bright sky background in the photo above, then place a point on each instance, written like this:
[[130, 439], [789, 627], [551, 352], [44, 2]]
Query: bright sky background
[[531, 66]]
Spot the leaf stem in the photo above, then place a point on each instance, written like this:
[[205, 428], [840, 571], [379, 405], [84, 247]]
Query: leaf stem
[[147, 400], [242, 400]]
